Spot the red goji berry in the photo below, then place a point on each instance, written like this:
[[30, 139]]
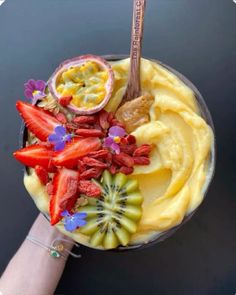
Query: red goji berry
[[97, 127], [89, 188], [110, 117], [141, 161], [128, 149], [89, 132], [85, 126], [84, 120], [65, 100], [123, 159], [93, 162], [61, 118], [109, 158], [112, 169], [91, 173], [142, 150], [131, 139], [126, 170], [99, 154], [102, 119], [42, 174], [115, 122], [71, 127], [81, 166], [124, 141]]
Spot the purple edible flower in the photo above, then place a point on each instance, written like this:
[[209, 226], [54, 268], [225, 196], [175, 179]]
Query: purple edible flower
[[59, 138], [73, 221], [114, 136], [35, 90]]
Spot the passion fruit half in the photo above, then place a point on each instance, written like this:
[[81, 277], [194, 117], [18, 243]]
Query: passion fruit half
[[89, 79]]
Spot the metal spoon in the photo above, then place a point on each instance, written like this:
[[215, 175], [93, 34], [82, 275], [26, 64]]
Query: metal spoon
[[133, 85]]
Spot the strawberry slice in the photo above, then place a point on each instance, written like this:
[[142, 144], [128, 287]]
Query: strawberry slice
[[65, 184], [76, 149], [35, 154], [40, 123], [42, 174]]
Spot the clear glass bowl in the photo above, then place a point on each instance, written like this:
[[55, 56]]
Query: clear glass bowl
[[207, 117]]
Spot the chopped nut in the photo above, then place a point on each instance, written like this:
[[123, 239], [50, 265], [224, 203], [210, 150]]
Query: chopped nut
[[135, 113], [50, 104]]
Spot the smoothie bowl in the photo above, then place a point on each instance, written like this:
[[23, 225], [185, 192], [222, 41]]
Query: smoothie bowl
[[115, 175]]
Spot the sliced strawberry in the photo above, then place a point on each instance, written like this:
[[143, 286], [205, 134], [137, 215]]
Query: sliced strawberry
[[49, 188], [39, 122], [63, 197], [76, 149], [42, 174], [35, 155]]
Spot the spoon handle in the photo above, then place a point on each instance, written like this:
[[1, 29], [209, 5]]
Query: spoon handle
[[133, 86]]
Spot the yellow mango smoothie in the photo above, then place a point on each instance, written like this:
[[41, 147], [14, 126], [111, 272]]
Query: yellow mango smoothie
[[173, 184]]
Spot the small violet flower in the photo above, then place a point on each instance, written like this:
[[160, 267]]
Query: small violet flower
[[35, 90], [59, 138], [114, 137], [73, 221]]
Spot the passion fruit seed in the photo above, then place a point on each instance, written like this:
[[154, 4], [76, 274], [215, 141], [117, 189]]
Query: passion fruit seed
[[85, 83]]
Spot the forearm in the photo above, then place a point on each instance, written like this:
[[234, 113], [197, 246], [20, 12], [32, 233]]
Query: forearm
[[32, 270]]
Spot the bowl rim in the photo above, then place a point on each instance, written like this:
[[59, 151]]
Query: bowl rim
[[205, 113]]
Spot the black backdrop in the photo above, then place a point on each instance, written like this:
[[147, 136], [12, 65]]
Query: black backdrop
[[197, 37]]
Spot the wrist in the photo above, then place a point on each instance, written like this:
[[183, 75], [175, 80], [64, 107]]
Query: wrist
[[45, 233]]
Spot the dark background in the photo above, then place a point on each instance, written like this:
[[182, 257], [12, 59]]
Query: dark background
[[197, 37]]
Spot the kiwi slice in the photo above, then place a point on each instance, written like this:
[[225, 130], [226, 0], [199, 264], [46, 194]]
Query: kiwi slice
[[113, 218]]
